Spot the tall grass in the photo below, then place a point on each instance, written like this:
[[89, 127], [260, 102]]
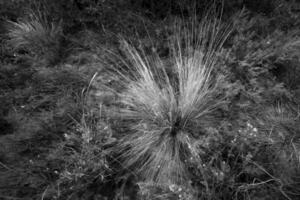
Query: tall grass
[[166, 109], [37, 35]]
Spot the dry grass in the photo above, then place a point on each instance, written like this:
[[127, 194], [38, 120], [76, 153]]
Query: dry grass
[[37, 35], [165, 109]]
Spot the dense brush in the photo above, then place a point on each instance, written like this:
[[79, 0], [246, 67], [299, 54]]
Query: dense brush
[[168, 109]]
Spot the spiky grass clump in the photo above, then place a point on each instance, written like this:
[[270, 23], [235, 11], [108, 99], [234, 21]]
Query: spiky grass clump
[[37, 35], [167, 109]]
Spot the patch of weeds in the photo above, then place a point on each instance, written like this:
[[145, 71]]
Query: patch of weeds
[[82, 155]]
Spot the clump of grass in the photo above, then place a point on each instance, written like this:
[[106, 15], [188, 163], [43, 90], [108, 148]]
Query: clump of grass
[[36, 35], [167, 110]]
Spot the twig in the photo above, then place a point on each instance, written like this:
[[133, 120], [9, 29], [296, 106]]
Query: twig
[[274, 178], [44, 193], [6, 167]]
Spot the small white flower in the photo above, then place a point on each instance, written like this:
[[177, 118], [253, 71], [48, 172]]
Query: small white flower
[[67, 136], [172, 187], [249, 156]]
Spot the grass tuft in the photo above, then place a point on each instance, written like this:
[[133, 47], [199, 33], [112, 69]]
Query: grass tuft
[[167, 109], [37, 36]]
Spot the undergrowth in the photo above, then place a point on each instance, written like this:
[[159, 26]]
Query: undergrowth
[[173, 108]]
